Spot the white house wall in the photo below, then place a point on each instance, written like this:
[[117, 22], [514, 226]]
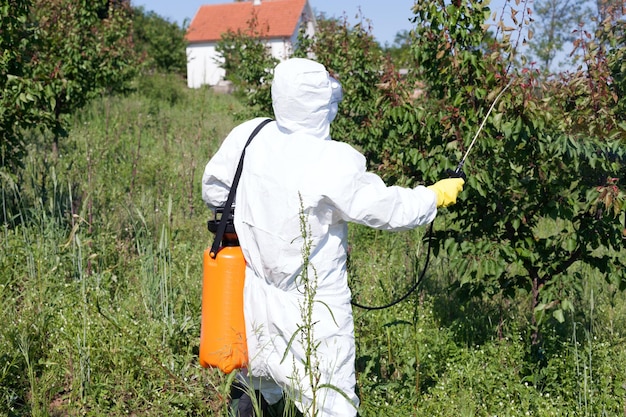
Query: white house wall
[[202, 67], [280, 50]]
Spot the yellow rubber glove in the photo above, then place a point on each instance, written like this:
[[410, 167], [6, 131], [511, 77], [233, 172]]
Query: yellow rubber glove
[[447, 190]]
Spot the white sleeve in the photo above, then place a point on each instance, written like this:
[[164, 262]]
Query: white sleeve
[[389, 208], [362, 197]]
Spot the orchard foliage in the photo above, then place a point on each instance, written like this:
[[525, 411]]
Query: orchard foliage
[[59, 54], [544, 195], [160, 43], [86, 50], [246, 61], [373, 90], [22, 96]]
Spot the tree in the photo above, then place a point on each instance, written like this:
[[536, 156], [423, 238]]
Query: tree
[[161, 43], [85, 49], [553, 28], [617, 65], [248, 63], [558, 24], [610, 11], [22, 98], [368, 78], [400, 51], [542, 196], [58, 55]]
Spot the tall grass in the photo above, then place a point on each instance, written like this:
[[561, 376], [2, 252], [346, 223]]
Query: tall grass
[[100, 266], [442, 354]]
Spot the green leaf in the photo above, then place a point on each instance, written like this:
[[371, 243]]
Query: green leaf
[[570, 244], [558, 315], [567, 305]]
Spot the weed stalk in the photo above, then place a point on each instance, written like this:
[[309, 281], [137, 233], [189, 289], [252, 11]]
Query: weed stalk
[[308, 286]]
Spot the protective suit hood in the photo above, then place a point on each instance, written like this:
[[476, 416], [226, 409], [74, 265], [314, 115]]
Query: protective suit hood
[[304, 97]]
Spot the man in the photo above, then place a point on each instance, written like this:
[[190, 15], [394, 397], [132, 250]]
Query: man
[[294, 170]]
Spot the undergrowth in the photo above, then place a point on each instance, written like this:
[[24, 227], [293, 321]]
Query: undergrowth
[[100, 291]]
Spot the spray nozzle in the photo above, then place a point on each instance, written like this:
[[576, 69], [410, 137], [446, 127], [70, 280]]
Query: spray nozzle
[[457, 173]]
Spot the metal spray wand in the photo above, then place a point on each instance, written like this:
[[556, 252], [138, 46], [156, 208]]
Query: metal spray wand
[[458, 172]]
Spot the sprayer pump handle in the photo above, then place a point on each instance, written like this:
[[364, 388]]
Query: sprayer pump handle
[[458, 173]]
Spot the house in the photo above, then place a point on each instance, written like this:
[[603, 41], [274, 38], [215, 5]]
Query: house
[[282, 20]]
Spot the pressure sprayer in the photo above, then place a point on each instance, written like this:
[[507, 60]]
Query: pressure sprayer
[[223, 341], [457, 173]]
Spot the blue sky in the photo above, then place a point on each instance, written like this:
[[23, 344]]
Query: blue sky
[[387, 17]]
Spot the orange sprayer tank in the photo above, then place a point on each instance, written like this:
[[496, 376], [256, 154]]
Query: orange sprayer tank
[[223, 341], [222, 329]]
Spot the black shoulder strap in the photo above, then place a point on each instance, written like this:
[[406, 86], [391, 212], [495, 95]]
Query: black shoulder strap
[[221, 228]]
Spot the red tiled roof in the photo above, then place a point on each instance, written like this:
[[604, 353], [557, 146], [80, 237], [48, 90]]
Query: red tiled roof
[[278, 17]]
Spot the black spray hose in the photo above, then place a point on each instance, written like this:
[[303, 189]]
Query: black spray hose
[[457, 173], [413, 288]]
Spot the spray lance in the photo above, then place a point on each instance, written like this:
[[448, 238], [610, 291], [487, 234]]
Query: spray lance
[[457, 173]]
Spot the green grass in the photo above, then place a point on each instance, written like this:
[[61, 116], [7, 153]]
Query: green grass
[[100, 282], [445, 355]]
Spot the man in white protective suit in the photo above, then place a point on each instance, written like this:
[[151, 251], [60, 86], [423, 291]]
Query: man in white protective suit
[[293, 168]]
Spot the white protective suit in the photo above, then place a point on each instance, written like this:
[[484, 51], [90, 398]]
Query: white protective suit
[[293, 161]]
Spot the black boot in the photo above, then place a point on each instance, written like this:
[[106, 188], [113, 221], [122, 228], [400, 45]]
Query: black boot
[[241, 405]]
